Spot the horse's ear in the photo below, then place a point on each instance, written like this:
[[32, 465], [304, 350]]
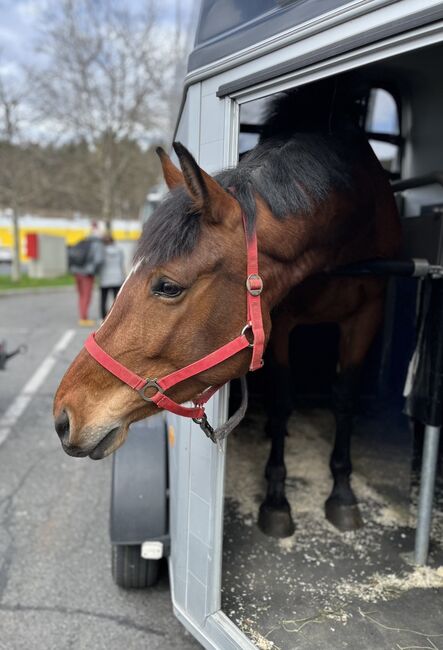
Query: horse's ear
[[208, 196], [172, 175]]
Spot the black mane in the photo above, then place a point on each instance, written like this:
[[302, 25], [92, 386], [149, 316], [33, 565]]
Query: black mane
[[171, 231], [291, 171]]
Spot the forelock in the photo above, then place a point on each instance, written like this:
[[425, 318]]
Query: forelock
[[173, 230]]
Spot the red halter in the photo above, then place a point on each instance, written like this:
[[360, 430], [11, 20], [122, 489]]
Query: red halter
[[254, 287]]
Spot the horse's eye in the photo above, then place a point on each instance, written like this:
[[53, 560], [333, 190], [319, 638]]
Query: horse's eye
[[167, 288]]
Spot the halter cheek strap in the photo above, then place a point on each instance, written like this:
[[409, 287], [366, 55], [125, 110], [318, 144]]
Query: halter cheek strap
[[253, 326]]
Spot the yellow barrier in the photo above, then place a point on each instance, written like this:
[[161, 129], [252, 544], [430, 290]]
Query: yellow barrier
[[72, 234]]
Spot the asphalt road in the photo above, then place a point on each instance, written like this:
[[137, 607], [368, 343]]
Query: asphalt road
[[56, 590]]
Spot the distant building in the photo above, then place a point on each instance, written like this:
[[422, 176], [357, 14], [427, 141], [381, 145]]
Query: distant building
[[73, 230]]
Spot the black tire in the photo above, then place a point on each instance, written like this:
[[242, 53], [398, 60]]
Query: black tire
[[130, 570]]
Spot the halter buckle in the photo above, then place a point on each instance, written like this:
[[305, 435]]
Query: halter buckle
[[150, 383], [254, 284]]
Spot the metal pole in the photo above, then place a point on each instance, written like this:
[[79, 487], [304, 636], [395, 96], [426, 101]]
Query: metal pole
[[426, 496]]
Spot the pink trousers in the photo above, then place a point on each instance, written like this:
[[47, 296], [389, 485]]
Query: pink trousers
[[84, 285]]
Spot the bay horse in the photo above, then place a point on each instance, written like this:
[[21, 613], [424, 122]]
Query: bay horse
[[317, 198]]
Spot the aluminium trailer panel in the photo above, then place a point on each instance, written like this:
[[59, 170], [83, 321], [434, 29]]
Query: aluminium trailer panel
[[196, 465], [196, 514]]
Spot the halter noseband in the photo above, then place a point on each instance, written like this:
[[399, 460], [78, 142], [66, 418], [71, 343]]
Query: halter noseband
[[254, 325]]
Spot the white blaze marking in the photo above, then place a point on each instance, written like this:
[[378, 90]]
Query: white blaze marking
[[15, 410], [136, 266]]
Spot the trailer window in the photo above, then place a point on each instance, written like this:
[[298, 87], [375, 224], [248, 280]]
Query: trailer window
[[251, 118], [382, 125], [382, 114], [378, 114]]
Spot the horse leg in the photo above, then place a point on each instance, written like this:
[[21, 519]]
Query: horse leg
[[275, 517], [341, 507], [357, 334]]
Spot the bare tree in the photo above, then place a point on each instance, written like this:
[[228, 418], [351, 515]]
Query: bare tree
[[103, 80], [172, 88], [17, 172]]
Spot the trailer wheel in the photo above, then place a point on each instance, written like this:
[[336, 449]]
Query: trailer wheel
[[130, 570]]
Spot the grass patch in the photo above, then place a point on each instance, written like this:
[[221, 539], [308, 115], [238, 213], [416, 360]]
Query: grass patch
[[29, 283]]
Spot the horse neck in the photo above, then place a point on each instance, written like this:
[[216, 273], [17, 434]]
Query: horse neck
[[296, 247]]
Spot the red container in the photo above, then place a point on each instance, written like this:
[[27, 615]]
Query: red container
[[32, 245]]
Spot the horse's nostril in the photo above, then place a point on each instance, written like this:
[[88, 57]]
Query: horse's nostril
[[62, 426]]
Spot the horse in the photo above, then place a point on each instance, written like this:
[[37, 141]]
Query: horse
[[356, 305], [313, 198]]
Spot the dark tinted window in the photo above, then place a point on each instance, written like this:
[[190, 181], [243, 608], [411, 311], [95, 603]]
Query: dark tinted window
[[217, 17], [227, 26]]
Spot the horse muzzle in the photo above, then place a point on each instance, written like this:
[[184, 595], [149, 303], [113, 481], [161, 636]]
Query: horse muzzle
[[96, 445], [106, 445]]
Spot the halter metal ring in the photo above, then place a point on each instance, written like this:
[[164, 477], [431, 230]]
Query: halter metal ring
[[254, 284], [150, 383], [243, 333]]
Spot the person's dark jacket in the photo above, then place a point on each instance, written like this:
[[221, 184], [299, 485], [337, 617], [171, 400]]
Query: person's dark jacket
[[94, 259]]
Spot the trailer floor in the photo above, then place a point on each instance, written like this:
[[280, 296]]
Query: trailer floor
[[321, 589]]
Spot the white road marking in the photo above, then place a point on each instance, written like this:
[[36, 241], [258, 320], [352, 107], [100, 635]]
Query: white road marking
[[15, 410]]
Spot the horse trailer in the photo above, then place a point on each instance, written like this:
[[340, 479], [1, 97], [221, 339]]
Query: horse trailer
[[231, 586]]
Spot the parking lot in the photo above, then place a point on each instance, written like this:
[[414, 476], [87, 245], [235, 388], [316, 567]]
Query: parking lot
[[56, 590]]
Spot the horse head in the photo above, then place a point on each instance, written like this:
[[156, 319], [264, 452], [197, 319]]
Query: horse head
[[184, 297]]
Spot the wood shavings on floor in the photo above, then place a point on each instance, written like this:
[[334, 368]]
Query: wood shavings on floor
[[312, 584]]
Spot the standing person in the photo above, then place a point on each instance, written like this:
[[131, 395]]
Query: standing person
[[85, 260], [112, 272]]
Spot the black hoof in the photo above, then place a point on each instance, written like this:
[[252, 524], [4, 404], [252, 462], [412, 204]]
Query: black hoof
[[276, 522], [343, 517]]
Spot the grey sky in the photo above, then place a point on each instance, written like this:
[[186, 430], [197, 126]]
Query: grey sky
[[19, 21]]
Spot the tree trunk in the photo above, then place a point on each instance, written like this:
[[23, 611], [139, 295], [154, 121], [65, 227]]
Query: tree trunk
[[107, 210], [15, 267], [107, 186]]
